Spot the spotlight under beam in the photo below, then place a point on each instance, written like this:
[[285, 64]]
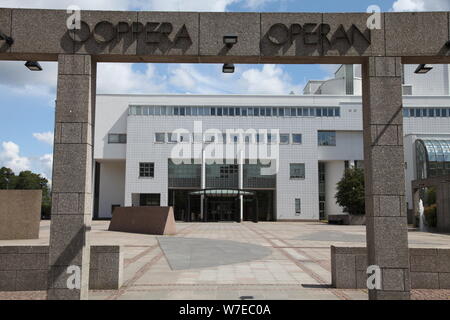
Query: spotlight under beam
[[422, 69], [228, 68], [33, 66]]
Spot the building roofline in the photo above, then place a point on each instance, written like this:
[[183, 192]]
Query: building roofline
[[258, 95]]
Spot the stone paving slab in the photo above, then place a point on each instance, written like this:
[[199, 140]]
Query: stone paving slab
[[193, 253], [291, 268]]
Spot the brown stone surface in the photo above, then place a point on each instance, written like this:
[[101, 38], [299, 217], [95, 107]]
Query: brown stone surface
[[20, 214], [25, 268], [5, 27], [147, 220], [426, 270]]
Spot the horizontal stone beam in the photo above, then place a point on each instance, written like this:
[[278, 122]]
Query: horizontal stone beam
[[130, 36]]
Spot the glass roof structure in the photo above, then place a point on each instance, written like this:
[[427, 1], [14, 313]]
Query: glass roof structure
[[432, 158]]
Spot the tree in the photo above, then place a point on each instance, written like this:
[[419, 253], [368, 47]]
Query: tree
[[350, 193], [7, 178], [27, 180]]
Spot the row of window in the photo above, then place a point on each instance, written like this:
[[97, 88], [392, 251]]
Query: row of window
[[426, 112], [283, 138], [296, 170], [325, 138], [235, 111]]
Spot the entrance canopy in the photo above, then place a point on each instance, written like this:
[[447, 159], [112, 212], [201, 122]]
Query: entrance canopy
[[219, 193]]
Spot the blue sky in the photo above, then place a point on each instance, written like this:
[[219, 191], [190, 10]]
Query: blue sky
[[27, 104]]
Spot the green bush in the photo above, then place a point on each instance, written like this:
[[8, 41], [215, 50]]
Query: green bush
[[350, 193], [430, 214]]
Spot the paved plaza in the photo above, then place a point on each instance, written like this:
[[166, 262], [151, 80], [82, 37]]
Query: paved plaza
[[232, 260]]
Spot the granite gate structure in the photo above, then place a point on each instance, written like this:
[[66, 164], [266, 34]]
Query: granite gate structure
[[176, 37]]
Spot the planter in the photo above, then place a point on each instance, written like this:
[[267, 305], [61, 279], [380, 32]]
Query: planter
[[357, 220]]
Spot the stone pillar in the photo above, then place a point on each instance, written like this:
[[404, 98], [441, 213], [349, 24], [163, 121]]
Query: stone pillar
[[387, 228], [72, 177]]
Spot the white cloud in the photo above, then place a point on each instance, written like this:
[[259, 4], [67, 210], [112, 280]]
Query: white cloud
[[269, 79], [152, 5], [46, 137], [330, 69], [10, 157], [16, 77], [44, 165], [421, 5], [122, 78]]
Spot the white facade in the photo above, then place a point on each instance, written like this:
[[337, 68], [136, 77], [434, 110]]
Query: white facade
[[118, 163]]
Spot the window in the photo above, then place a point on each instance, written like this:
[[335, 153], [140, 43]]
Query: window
[[160, 137], [210, 138], [172, 137], [284, 138], [259, 138], [184, 137], [337, 112], [117, 138], [146, 170], [296, 138], [150, 199], [275, 111], [235, 138], [306, 112], [318, 112], [327, 138], [293, 112], [271, 138], [297, 170], [298, 207]]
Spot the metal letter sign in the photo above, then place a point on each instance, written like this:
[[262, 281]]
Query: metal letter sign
[[104, 32], [312, 34]]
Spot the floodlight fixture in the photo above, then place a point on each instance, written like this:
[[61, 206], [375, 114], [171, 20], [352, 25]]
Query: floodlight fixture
[[33, 66], [230, 40], [422, 69], [228, 68]]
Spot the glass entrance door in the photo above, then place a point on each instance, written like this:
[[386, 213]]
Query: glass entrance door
[[221, 210]]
